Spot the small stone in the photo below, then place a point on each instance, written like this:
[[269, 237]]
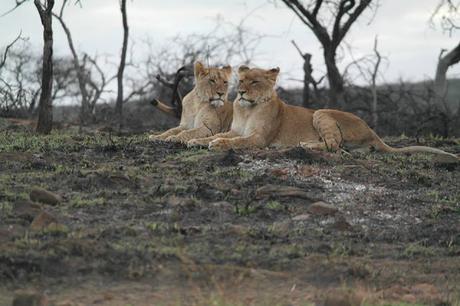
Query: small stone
[[29, 298], [42, 221], [44, 196], [322, 209], [280, 172], [302, 217]]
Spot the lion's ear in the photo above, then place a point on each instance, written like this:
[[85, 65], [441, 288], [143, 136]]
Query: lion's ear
[[273, 73], [228, 70], [200, 70], [243, 68]]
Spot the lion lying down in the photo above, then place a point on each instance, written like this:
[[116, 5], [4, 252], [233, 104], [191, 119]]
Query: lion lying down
[[205, 110], [261, 119]]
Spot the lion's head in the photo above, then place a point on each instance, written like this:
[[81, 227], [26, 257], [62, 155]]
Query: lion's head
[[256, 85], [212, 83]]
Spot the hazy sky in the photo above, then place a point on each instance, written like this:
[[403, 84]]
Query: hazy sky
[[405, 37]]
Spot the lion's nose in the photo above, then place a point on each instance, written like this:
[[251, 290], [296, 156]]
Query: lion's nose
[[220, 94], [242, 92]]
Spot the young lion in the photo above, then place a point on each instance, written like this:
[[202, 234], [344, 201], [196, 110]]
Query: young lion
[[261, 119], [205, 109]]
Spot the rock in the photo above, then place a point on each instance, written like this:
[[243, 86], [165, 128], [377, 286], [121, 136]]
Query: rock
[[343, 298], [26, 209], [302, 217], [322, 209], [269, 191], [42, 221], [29, 298], [44, 196], [280, 172]]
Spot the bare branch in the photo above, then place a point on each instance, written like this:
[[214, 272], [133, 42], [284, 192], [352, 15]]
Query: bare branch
[[5, 54], [18, 4]]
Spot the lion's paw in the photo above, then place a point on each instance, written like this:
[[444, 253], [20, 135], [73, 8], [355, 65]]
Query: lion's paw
[[219, 144]]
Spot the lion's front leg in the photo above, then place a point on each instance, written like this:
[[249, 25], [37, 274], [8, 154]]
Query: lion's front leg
[[166, 134], [187, 135], [248, 142], [205, 141]]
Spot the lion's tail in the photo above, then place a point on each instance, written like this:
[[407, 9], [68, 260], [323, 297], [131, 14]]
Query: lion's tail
[[163, 107], [380, 145]]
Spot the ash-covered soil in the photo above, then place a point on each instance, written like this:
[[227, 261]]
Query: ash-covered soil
[[131, 222]]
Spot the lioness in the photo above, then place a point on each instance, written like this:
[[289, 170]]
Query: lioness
[[261, 119], [205, 110]]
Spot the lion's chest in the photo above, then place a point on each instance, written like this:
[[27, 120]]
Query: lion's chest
[[190, 113], [244, 122]]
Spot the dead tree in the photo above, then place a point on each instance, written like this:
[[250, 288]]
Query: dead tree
[[121, 67], [82, 81], [307, 77], [448, 11], [344, 14], [96, 88], [45, 115], [445, 61]]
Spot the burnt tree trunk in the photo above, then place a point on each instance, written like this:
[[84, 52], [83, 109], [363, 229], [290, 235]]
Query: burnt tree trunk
[[336, 86], [307, 70], [440, 81], [45, 115], [307, 77], [121, 67]]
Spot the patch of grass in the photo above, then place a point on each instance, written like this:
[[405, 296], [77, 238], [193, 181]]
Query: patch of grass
[[245, 209], [275, 205], [190, 155], [341, 249], [30, 142], [443, 203], [417, 249], [243, 175], [6, 208], [78, 201]]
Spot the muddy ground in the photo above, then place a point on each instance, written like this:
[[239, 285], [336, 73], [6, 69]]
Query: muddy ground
[[142, 223]]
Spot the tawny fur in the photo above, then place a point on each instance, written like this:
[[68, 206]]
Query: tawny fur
[[205, 110], [261, 119]]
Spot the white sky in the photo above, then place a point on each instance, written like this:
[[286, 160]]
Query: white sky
[[405, 38]]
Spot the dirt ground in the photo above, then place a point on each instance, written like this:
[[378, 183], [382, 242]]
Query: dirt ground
[[131, 222]]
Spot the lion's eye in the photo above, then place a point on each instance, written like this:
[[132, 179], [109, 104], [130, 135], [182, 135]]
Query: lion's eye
[[225, 82], [254, 82], [212, 81]]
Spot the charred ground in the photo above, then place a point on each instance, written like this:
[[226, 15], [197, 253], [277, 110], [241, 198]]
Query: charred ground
[[142, 221]]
